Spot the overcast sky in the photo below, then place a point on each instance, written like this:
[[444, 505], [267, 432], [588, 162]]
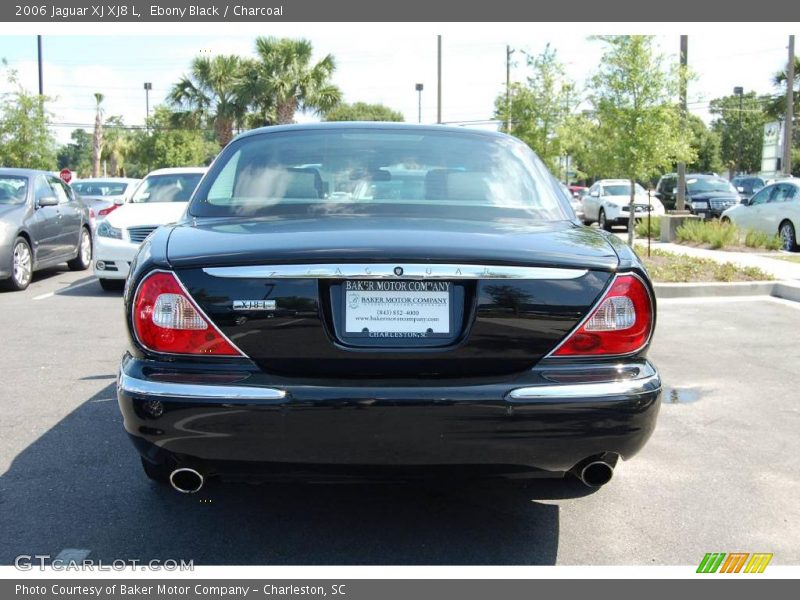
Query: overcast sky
[[375, 62]]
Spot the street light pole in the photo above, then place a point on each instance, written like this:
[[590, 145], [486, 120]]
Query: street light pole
[[147, 87], [439, 79], [680, 201], [739, 91], [509, 52], [41, 74], [419, 87]]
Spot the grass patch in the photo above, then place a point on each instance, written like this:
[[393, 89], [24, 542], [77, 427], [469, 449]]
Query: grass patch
[[654, 232], [787, 258], [724, 236], [669, 267]]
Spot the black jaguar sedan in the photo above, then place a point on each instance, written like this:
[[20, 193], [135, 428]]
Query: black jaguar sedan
[[359, 300]]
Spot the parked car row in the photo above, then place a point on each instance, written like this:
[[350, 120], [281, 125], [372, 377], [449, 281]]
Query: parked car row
[[45, 222], [774, 209]]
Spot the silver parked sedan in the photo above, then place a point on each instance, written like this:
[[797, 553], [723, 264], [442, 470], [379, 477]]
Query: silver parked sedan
[[42, 224]]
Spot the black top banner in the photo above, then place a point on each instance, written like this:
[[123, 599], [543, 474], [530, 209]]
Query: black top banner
[[404, 11]]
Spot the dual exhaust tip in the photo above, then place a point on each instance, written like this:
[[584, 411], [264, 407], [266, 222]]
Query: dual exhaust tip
[[593, 473], [186, 480]]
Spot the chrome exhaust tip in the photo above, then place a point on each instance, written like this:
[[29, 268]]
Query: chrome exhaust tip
[[186, 480], [596, 473]]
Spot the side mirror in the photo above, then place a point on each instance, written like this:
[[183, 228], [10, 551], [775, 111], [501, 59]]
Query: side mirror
[[119, 201], [745, 201], [47, 201]]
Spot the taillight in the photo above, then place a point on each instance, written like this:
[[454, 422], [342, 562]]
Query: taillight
[[167, 320], [620, 324], [107, 211]]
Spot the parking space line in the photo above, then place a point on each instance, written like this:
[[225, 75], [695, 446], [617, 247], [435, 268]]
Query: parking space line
[[68, 555], [66, 289]]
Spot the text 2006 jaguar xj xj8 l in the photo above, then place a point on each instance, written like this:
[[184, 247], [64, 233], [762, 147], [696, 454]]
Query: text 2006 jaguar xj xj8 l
[[346, 299]]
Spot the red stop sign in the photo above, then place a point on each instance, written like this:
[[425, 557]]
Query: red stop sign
[[66, 175]]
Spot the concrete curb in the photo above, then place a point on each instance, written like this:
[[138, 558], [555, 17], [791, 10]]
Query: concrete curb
[[788, 290]]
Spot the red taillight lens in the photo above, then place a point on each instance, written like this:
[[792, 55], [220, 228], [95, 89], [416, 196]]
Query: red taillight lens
[[167, 320], [620, 324], [107, 211]]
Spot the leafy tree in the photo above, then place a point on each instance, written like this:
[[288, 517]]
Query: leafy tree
[[361, 111], [639, 128], [705, 143], [164, 145], [97, 140], [77, 154], [283, 80], [540, 107], [740, 131], [210, 94], [116, 145], [25, 138]]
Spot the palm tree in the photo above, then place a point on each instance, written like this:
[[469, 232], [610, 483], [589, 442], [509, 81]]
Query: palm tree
[[210, 92], [116, 145], [97, 142], [776, 105], [286, 81]]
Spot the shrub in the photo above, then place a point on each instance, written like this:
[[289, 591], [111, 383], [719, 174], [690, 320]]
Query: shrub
[[641, 229], [714, 233], [759, 239]]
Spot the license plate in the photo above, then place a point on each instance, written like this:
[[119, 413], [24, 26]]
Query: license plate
[[702, 215], [407, 308]]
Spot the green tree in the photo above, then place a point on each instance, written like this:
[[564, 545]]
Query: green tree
[[77, 155], [210, 94], [283, 80], [741, 130], [25, 138], [116, 145], [164, 145], [639, 128], [361, 111], [705, 143], [540, 107]]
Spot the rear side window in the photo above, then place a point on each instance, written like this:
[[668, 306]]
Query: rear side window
[[381, 172], [13, 189]]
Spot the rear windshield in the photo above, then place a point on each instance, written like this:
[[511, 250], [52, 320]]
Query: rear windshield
[[13, 190], [422, 173], [167, 188], [100, 188]]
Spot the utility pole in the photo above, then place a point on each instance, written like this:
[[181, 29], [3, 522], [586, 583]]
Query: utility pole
[[787, 126], [680, 201], [439, 79], [41, 74], [739, 91], [509, 52]]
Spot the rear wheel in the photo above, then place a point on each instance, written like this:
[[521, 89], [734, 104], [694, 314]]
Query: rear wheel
[[21, 265], [111, 285], [84, 258], [602, 221], [788, 236]]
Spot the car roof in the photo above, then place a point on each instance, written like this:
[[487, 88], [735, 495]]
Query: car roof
[[613, 181], [178, 171], [22, 172], [376, 125], [107, 180]]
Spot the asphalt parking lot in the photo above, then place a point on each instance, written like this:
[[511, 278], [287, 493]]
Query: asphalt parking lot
[[721, 473]]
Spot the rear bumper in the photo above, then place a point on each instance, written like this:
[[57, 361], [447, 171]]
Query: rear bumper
[[532, 425]]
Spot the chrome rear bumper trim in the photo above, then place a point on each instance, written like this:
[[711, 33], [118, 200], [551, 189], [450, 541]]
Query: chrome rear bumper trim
[[648, 381], [165, 389], [393, 271]]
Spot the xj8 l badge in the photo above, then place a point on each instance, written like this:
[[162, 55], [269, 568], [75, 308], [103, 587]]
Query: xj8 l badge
[[254, 305]]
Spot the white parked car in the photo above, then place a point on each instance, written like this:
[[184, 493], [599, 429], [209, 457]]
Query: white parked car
[[608, 203], [160, 199], [774, 209], [104, 195]]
